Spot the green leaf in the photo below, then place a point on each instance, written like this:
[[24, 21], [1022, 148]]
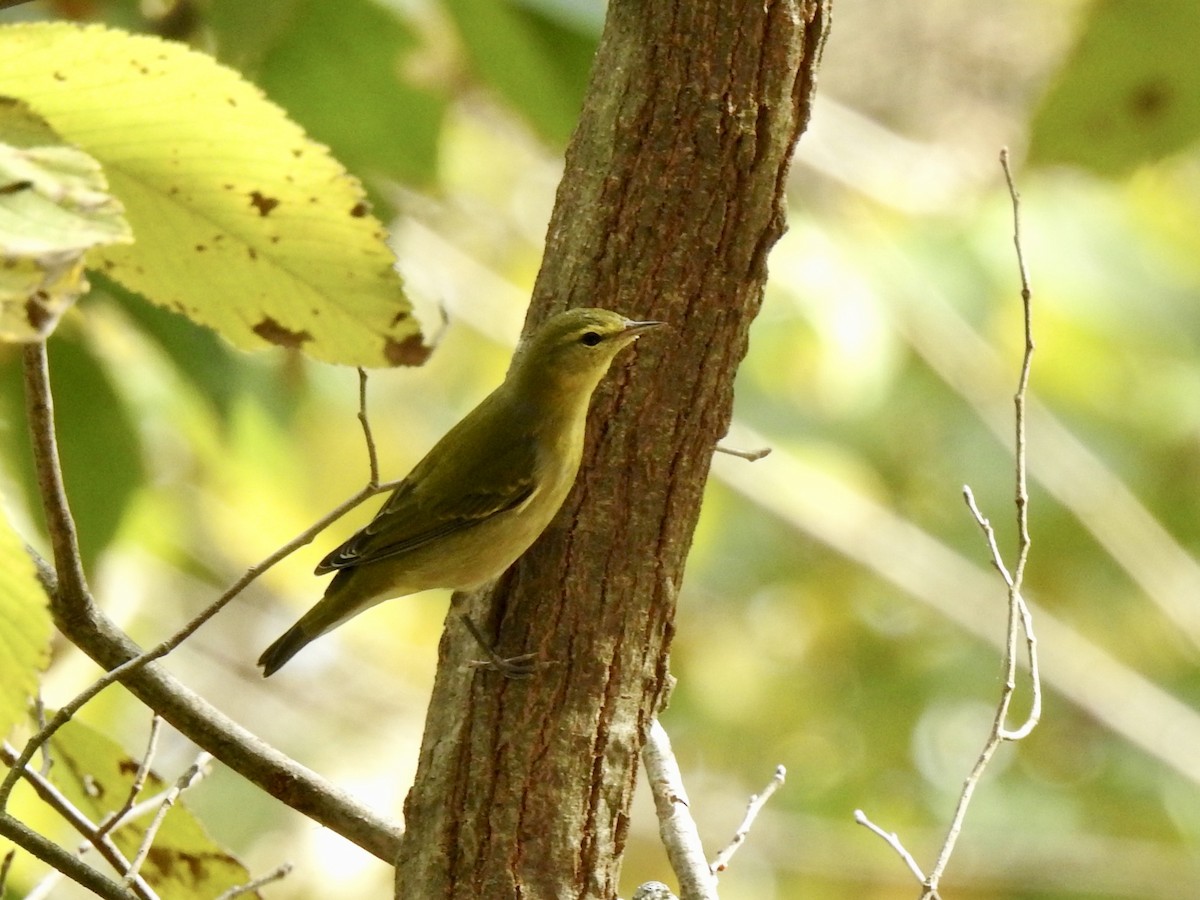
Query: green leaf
[[200, 357], [1130, 91], [95, 775], [339, 70], [54, 207], [98, 441], [535, 62], [241, 222], [25, 629], [99, 444]]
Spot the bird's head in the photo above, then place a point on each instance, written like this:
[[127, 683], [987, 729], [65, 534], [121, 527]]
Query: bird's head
[[573, 349]]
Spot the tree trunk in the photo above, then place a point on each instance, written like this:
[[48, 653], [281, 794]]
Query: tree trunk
[[672, 196]]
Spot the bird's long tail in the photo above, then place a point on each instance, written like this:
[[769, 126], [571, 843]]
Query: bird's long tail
[[351, 591], [288, 645]]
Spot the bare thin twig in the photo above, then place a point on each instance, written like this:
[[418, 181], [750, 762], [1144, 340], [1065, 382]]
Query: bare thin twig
[[372, 455], [68, 710], [65, 542], [185, 781], [1019, 618], [748, 455], [893, 841], [149, 806], [277, 874], [84, 624], [39, 716], [753, 808], [73, 816], [49, 852], [139, 779]]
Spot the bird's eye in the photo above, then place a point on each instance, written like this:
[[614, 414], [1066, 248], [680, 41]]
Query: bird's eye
[[590, 339]]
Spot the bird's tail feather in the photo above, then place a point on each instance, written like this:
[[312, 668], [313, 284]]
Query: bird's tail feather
[[288, 645]]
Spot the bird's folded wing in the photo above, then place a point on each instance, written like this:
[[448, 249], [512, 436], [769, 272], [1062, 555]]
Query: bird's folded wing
[[415, 515]]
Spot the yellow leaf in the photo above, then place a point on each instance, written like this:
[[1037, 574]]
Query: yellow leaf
[[241, 222]]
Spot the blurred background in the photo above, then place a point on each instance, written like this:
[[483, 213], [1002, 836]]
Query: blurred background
[[839, 616]]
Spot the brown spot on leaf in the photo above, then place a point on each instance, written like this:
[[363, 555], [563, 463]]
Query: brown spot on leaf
[[59, 76], [1150, 100], [262, 203], [253, 253], [399, 317], [360, 209], [270, 330], [200, 248], [15, 186], [187, 868], [408, 352]]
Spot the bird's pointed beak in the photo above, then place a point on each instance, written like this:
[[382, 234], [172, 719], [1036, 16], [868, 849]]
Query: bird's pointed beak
[[634, 329]]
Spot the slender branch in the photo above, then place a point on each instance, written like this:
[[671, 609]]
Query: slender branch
[[39, 409], [1022, 469], [893, 840], [54, 855], [85, 625], [1019, 618], [149, 806], [139, 780], [185, 781], [753, 808], [748, 455], [124, 670], [372, 455], [277, 874], [676, 826], [39, 716], [73, 816]]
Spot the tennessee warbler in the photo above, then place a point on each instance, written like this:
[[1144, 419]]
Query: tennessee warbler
[[486, 490]]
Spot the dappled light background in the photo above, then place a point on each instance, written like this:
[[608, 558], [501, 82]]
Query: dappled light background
[[839, 614]]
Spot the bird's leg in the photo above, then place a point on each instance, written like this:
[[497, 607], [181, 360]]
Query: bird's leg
[[521, 666]]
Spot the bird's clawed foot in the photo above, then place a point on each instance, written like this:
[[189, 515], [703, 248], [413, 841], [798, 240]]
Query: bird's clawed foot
[[522, 666]]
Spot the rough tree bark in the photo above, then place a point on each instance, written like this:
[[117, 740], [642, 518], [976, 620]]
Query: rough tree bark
[[672, 197]]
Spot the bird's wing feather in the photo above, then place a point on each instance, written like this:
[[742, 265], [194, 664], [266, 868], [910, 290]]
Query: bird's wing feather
[[441, 496]]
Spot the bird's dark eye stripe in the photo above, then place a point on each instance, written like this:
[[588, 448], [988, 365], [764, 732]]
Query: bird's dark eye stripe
[[590, 339]]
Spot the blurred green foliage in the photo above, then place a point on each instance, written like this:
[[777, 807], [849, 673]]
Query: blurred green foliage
[[883, 363], [1129, 93]]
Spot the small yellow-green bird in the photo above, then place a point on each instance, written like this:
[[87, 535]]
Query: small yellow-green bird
[[486, 490]]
